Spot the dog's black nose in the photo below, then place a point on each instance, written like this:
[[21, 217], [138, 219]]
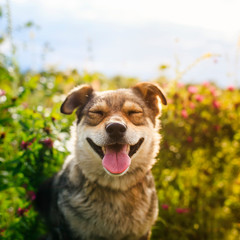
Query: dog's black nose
[[116, 130]]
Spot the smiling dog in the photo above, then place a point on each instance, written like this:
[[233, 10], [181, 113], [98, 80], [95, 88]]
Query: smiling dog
[[105, 189]]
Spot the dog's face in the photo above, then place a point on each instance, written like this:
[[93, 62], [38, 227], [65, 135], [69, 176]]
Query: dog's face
[[117, 131]]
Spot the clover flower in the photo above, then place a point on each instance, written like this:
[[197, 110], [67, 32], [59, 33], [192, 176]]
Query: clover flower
[[184, 113], [182, 210], [231, 88], [21, 211], [180, 84], [165, 206], [2, 230], [216, 127], [2, 93], [25, 144], [191, 105], [192, 89], [206, 84], [216, 104], [213, 91], [48, 142], [31, 195], [199, 98]]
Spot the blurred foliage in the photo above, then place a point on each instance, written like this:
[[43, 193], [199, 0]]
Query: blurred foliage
[[198, 169]]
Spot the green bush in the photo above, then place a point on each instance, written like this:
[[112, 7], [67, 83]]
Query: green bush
[[198, 168], [197, 174]]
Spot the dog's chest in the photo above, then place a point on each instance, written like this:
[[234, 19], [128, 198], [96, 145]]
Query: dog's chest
[[95, 212]]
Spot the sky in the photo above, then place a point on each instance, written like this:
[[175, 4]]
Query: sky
[[131, 37]]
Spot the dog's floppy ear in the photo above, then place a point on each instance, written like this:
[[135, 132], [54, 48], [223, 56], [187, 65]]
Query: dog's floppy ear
[[78, 97], [150, 92]]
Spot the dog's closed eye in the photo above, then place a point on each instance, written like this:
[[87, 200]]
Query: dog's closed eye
[[134, 112], [95, 116], [97, 112]]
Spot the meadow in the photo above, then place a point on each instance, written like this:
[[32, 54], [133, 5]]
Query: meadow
[[197, 173]]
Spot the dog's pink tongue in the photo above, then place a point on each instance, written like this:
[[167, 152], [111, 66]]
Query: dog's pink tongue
[[116, 162]]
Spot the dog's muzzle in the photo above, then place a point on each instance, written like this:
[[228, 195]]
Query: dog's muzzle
[[116, 130], [116, 158]]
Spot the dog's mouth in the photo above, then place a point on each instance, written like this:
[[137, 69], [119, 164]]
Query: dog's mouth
[[116, 158]]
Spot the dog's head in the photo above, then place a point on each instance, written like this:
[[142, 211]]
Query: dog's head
[[116, 131]]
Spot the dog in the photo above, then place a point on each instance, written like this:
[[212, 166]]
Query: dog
[[105, 189]]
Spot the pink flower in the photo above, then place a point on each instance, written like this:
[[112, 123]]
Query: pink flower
[[217, 127], [180, 85], [231, 88], [191, 105], [182, 210], [24, 145], [206, 84], [165, 206], [31, 195], [199, 98], [48, 142], [25, 105], [2, 93], [213, 91], [184, 113], [216, 104], [192, 89], [21, 211], [2, 230]]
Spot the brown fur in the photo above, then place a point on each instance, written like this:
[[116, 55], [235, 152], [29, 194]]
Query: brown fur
[[87, 203]]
